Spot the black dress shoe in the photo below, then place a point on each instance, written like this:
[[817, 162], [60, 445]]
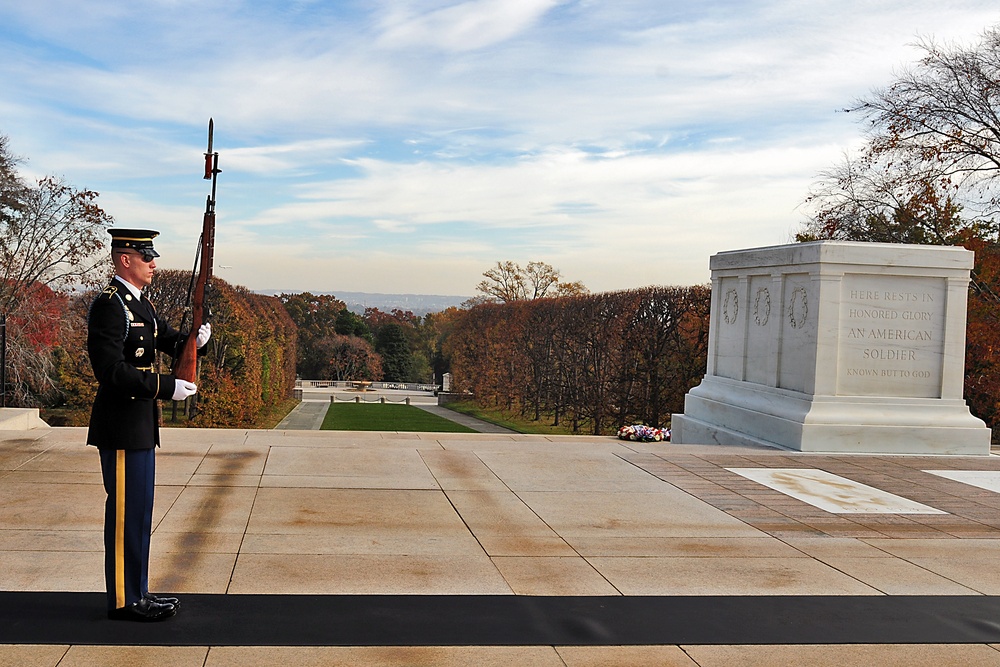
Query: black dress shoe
[[144, 610], [160, 599]]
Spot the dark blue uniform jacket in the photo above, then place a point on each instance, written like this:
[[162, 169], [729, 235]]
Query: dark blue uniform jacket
[[123, 335]]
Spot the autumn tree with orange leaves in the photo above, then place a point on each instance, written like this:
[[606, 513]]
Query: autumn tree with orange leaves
[[591, 362], [249, 364]]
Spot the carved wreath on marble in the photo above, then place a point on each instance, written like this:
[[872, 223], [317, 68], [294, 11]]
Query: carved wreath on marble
[[731, 306], [762, 307], [798, 308]]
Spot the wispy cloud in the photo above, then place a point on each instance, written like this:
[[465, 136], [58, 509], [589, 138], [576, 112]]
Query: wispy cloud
[[624, 142], [466, 26]]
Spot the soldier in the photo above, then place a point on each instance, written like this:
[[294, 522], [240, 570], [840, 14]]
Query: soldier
[[123, 335]]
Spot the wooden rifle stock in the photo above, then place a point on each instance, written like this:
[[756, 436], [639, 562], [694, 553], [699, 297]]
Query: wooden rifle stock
[[186, 361], [186, 365]]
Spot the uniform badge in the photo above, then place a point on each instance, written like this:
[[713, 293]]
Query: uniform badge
[[128, 297], [130, 315], [139, 351]]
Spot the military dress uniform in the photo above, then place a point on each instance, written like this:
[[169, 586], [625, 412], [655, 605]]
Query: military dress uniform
[[124, 333]]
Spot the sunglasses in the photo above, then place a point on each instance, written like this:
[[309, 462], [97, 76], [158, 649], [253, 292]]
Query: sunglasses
[[144, 256]]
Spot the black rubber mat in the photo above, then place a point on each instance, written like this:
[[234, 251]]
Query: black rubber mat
[[497, 620]]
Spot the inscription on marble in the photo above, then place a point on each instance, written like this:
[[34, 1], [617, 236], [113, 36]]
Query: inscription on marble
[[891, 336]]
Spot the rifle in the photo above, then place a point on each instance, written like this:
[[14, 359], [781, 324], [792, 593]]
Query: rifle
[[186, 361]]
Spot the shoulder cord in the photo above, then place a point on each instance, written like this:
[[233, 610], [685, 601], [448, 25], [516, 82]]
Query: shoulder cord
[[113, 291], [125, 312]]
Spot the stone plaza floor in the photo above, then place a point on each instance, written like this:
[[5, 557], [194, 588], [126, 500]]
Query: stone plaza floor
[[403, 515]]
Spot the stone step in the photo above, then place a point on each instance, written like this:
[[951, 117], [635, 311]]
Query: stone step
[[20, 419]]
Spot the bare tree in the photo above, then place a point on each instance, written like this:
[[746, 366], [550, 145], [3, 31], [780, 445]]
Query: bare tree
[[864, 200], [12, 188], [509, 281], [53, 239], [942, 117], [50, 238], [932, 153], [504, 283]]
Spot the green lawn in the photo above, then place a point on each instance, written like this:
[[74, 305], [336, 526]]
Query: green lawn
[[513, 421], [386, 417]]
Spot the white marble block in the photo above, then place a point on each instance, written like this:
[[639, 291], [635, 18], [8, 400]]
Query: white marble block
[[837, 346]]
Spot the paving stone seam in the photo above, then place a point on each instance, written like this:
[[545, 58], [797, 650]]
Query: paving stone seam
[[540, 518]]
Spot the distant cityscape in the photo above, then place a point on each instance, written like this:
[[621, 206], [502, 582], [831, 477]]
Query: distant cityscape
[[418, 304]]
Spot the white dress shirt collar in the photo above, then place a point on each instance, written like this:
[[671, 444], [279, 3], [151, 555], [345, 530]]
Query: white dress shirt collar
[[136, 292]]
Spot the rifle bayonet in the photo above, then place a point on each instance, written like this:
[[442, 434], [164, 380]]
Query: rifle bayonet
[[209, 156]]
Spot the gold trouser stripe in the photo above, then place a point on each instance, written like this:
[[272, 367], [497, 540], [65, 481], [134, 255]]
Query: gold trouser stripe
[[120, 531]]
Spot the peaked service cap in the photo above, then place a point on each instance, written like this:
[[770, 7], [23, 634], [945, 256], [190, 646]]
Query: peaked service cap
[[140, 240]]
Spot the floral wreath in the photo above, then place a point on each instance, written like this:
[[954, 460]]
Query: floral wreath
[[643, 433]]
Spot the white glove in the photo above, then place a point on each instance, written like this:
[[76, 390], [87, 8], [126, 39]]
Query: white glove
[[204, 333], [183, 389]]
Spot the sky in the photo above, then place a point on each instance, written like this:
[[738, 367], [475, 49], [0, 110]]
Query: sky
[[406, 146]]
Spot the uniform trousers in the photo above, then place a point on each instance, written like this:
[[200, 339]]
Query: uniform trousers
[[129, 479]]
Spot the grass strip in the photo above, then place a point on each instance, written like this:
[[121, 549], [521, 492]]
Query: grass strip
[[386, 417], [511, 421]]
